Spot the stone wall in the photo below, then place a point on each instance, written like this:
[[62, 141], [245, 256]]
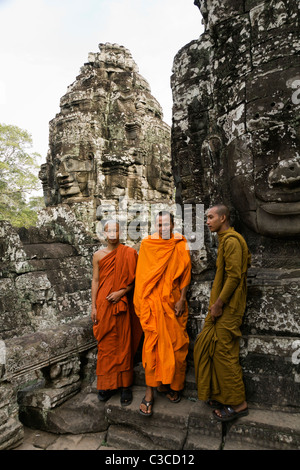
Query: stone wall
[[47, 348], [235, 139], [46, 273]]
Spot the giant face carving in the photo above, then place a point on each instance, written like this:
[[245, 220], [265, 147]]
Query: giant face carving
[[73, 175], [108, 133], [249, 87], [264, 162], [158, 172]]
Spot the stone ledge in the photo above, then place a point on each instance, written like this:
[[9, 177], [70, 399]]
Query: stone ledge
[[190, 425], [82, 413], [12, 434], [43, 348]]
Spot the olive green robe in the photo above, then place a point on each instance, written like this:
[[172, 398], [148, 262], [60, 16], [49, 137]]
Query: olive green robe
[[216, 352]]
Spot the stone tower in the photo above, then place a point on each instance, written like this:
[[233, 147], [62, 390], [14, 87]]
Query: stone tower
[[109, 142]]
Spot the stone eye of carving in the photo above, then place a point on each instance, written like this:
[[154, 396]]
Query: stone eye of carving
[[69, 162]]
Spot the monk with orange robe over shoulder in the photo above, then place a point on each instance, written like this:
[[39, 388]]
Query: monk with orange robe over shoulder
[[116, 327], [162, 278]]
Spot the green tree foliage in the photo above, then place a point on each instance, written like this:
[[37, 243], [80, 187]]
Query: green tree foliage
[[18, 177]]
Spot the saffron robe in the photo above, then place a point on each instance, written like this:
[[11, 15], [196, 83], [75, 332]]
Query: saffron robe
[[216, 351], [117, 331], [163, 270]]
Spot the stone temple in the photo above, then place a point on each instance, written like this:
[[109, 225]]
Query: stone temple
[[235, 139], [109, 142]]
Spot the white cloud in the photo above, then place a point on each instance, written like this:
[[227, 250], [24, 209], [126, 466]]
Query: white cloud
[[45, 42]]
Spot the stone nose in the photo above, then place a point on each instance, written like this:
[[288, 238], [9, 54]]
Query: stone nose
[[62, 172], [287, 173]]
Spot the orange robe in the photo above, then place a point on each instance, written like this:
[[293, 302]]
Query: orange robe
[[163, 269], [117, 331]]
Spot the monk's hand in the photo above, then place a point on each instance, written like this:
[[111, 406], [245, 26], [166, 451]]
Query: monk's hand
[[216, 310], [94, 315], [179, 307], [115, 297]]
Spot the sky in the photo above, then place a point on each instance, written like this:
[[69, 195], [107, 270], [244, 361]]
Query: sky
[[45, 42]]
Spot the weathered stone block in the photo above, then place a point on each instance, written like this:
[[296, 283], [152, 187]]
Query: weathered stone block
[[245, 155]]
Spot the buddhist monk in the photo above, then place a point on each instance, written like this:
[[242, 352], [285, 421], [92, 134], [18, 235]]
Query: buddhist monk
[[216, 352], [116, 327], [162, 279]]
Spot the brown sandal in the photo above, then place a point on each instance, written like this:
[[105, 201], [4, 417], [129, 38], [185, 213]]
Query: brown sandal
[[228, 413], [174, 393], [147, 403], [171, 393]]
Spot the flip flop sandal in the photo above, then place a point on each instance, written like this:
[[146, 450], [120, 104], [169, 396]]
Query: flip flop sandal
[[173, 393], [126, 396], [228, 414], [147, 403], [104, 395], [214, 404]]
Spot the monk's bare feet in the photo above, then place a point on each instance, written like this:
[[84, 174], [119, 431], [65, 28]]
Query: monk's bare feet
[[163, 388], [147, 402], [172, 395], [228, 412], [243, 406]]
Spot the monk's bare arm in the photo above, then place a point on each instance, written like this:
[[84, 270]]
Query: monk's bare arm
[[216, 310], [95, 283], [115, 297], [180, 305]]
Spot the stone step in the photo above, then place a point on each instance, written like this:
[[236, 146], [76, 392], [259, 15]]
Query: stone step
[[12, 434], [127, 438], [266, 428], [166, 428], [189, 425]]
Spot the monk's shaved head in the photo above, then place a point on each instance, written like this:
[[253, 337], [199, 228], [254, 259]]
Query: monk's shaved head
[[163, 213], [218, 218], [221, 209], [108, 222]]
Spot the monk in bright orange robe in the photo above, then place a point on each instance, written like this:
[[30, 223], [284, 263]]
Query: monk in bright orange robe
[[116, 327], [162, 278]]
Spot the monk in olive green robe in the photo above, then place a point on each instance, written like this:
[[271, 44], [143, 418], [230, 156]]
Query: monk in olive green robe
[[216, 352]]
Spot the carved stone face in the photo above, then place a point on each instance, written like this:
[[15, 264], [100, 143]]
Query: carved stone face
[[73, 175], [264, 163], [158, 171], [247, 152], [101, 141]]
